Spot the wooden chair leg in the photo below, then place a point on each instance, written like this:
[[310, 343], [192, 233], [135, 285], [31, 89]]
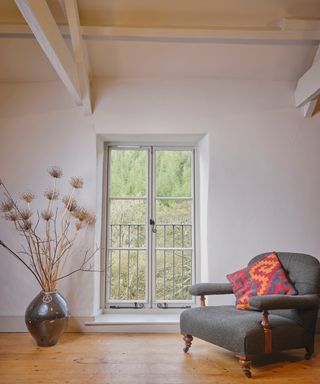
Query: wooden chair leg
[[309, 353], [188, 341], [202, 301], [245, 365], [267, 332]]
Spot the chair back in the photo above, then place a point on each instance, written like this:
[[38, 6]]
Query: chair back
[[303, 271]]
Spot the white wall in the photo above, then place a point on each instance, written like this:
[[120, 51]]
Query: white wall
[[264, 179]]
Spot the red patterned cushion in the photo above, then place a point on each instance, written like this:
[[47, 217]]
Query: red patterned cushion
[[264, 277]]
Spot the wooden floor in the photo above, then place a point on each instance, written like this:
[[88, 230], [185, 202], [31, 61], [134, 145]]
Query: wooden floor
[[140, 358]]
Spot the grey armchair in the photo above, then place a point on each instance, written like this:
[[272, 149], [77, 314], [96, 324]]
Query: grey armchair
[[275, 323]]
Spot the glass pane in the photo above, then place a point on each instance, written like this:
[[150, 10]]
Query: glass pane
[[173, 274], [128, 173], [127, 231], [173, 173], [174, 218], [173, 266], [127, 211], [127, 274], [127, 235]]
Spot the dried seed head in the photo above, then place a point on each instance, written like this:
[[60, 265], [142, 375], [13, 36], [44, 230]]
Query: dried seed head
[[80, 214], [51, 194], [6, 205], [25, 214], [78, 225], [84, 216], [55, 172], [76, 182], [12, 216], [28, 197], [70, 203], [90, 219], [47, 215], [26, 225]]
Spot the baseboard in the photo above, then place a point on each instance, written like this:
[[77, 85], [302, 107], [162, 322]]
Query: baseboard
[[17, 324], [12, 324]]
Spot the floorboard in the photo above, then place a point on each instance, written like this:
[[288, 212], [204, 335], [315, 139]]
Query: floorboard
[[141, 358]]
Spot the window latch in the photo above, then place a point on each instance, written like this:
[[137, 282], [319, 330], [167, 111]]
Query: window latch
[[136, 306], [153, 225], [166, 306]]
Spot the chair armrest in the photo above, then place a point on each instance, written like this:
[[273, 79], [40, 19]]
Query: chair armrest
[[284, 302], [203, 289]]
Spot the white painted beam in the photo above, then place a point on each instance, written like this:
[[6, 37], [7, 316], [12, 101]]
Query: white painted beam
[[63, 8], [300, 24], [309, 107], [235, 35], [40, 20], [308, 86], [72, 14]]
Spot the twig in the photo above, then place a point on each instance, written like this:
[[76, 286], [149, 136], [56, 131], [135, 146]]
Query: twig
[[19, 258]]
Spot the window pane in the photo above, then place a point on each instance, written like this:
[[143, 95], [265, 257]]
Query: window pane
[[174, 211], [128, 211], [133, 199], [127, 235], [128, 173], [173, 173], [173, 266], [127, 249], [127, 274], [173, 274], [173, 219], [174, 236]]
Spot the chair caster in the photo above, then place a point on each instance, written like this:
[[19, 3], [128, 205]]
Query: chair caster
[[188, 341], [247, 373], [245, 365], [309, 353]]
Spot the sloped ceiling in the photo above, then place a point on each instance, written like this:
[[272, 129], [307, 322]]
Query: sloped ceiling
[[23, 60], [177, 13]]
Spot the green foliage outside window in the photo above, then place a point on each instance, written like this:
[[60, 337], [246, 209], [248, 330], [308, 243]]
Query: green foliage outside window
[[128, 223]]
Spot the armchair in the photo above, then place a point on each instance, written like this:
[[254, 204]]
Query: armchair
[[275, 323]]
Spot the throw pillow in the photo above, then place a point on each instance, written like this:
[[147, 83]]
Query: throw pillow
[[264, 277]]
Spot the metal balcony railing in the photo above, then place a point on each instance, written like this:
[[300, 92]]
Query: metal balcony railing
[[128, 261]]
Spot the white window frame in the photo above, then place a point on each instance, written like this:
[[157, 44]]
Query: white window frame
[[151, 199]]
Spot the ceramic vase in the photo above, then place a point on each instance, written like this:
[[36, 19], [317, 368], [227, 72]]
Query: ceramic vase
[[47, 317]]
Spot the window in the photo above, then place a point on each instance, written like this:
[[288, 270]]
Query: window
[[150, 227]]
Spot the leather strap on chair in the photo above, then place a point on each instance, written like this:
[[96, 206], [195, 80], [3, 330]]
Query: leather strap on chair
[[267, 332]]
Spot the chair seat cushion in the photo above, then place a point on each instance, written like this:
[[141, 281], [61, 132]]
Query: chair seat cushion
[[240, 331]]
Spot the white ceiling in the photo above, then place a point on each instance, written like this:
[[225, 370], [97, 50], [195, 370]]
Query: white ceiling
[[194, 13], [176, 59], [177, 13], [23, 60]]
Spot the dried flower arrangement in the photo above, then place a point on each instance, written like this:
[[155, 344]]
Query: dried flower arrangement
[[48, 244]]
